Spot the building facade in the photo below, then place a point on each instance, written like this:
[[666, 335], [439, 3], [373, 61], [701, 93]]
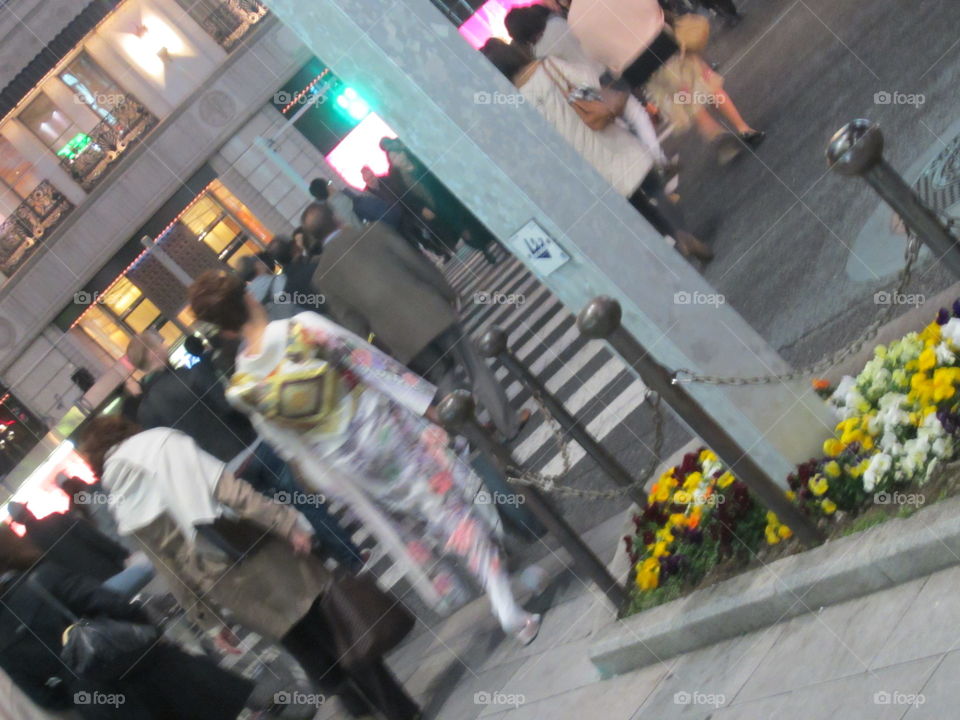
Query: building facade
[[125, 123]]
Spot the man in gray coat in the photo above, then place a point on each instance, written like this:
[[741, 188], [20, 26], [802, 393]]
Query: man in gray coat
[[374, 281]]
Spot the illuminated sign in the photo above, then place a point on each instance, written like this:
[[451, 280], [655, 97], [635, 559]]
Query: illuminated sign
[[77, 144]]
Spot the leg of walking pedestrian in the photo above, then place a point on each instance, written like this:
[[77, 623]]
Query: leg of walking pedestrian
[[371, 688]]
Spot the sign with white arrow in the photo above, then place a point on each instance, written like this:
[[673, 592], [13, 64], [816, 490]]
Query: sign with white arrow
[[535, 247]]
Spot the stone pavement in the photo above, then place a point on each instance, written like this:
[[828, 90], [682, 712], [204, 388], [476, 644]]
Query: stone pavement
[[891, 655]]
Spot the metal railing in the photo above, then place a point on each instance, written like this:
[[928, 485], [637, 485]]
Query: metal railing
[[226, 21], [26, 226], [128, 123]]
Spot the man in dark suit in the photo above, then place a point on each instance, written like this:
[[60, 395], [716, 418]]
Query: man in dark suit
[[374, 281]]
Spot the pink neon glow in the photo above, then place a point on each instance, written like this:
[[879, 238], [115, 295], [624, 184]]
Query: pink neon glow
[[362, 147], [41, 494], [487, 22]]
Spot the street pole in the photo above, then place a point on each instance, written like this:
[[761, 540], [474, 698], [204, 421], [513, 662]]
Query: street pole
[[493, 344], [857, 150], [456, 413], [601, 320]]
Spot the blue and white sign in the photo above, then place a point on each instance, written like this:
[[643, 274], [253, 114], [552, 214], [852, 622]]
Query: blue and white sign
[[537, 249]]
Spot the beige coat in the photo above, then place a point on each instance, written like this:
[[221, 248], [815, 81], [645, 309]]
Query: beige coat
[[616, 153], [615, 32], [374, 281], [268, 592]]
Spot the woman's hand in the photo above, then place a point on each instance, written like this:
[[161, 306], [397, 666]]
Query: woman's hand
[[301, 541]]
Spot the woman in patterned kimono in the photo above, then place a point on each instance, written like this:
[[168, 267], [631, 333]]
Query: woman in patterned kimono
[[352, 420]]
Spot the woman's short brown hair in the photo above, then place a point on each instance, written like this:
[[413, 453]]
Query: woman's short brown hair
[[217, 297], [101, 434]]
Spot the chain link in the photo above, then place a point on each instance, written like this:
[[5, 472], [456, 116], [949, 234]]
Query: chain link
[[551, 483], [911, 252]]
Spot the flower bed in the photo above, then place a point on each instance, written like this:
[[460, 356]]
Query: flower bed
[[899, 421]]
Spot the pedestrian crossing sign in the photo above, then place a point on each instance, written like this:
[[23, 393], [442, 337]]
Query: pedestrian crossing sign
[[537, 249]]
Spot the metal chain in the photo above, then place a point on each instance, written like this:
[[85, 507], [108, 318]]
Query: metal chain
[[551, 483], [912, 251]]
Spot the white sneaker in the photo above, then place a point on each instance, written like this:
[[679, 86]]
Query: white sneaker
[[528, 633]]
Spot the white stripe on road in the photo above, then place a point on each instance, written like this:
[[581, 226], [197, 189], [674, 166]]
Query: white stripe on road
[[602, 425], [585, 394]]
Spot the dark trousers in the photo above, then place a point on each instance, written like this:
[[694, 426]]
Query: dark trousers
[[657, 53], [361, 689], [167, 684], [662, 215], [270, 475]]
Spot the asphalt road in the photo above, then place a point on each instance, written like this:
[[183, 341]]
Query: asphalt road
[[783, 226]]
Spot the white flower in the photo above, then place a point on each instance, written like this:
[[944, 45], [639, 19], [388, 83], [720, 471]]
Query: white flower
[[951, 332], [879, 465], [945, 355]]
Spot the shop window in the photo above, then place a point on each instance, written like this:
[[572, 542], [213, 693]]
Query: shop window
[[122, 296], [54, 127], [106, 331], [93, 87], [142, 316], [201, 215], [86, 151]]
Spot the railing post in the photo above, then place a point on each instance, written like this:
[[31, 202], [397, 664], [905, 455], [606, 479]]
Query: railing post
[[857, 150], [493, 344], [456, 413], [601, 320]]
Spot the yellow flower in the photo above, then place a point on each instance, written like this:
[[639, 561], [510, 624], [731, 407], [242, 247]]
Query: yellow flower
[[772, 537], [772, 518], [660, 550], [707, 455], [665, 535], [648, 574], [682, 497], [927, 360], [693, 481], [832, 447], [784, 532], [931, 334], [662, 494], [677, 519], [828, 506], [791, 495], [818, 485], [725, 480], [832, 469]]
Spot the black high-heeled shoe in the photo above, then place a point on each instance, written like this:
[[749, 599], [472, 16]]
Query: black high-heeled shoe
[[753, 138]]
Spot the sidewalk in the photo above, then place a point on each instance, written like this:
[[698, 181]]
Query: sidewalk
[[892, 654]]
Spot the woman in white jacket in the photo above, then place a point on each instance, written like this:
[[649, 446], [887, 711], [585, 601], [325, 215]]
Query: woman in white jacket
[[622, 159]]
